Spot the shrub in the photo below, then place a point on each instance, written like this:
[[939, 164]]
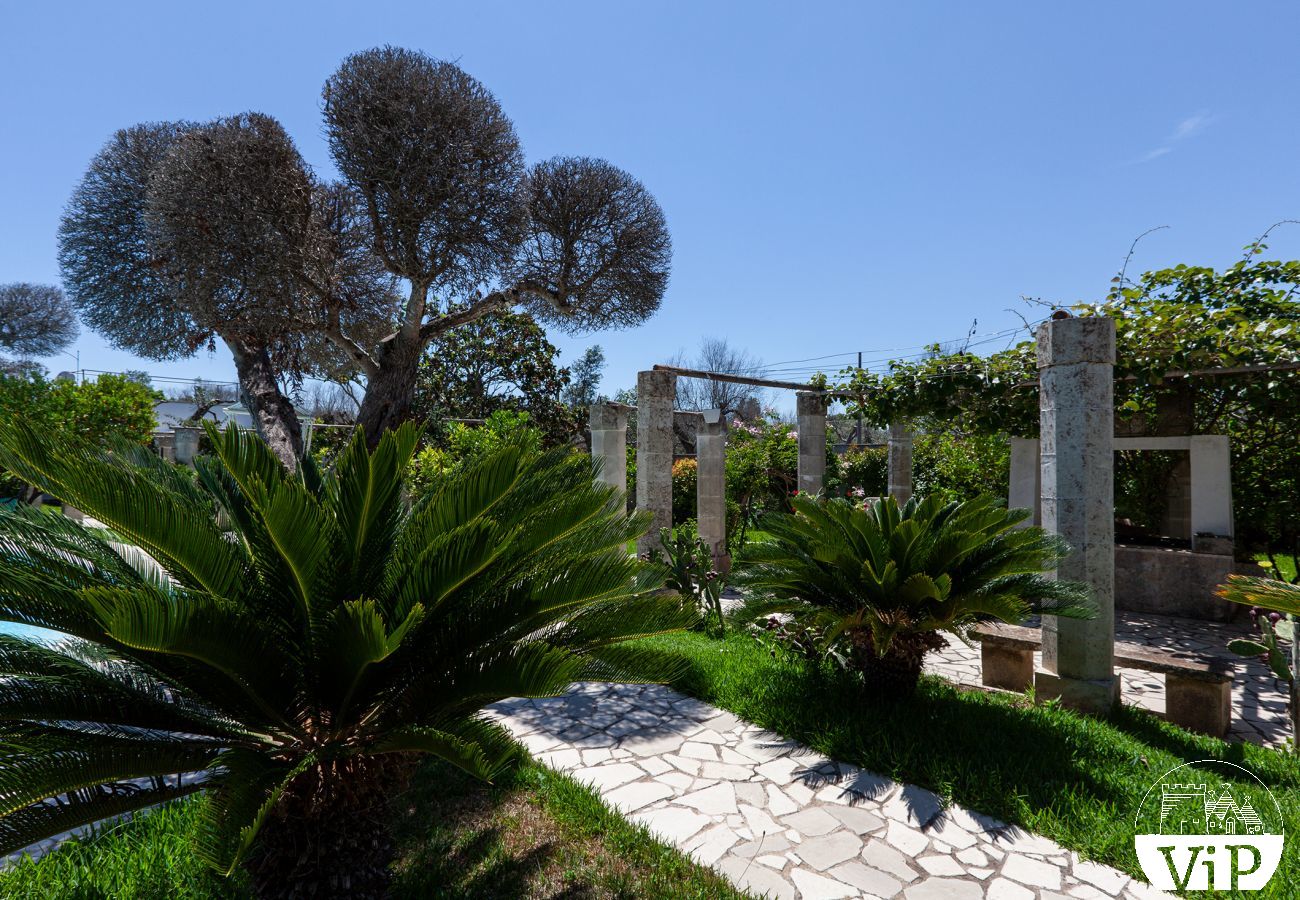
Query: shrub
[[883, 582], [685, 478], [312, 639], [462, 446]]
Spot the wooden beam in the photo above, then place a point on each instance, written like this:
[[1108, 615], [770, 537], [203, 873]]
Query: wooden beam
[[739, 379]]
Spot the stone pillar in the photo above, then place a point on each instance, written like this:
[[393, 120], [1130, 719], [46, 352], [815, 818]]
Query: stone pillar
[[187, 444], [1211, 469], [1076, 358], [609, 445], [1026, 479], [711, 486], [900, 462], [810, 409], [655, 392]]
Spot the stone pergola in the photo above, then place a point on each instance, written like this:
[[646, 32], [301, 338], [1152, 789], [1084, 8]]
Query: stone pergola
[[656, 391]]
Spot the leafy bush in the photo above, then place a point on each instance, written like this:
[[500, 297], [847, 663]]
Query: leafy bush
[[864, 472], [462, 446], [685, 478], [883, 582], [306, 643], [113, 407], [956, 466]]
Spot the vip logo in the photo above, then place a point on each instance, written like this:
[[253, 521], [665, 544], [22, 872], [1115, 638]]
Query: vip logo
[[1193, 834]]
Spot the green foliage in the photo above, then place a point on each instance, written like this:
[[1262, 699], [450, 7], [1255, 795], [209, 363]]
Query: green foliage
[[462, 446], [762, 468], [583, 388], [1182, 319], [112, 406], [864, 472], [302, 643], [685, 477], [500, 362], [882, 581], [957, 466]]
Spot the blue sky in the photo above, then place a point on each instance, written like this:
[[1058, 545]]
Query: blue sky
[[837, 177]]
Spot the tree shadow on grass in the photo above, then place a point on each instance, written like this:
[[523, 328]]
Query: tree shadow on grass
[[458, 838]]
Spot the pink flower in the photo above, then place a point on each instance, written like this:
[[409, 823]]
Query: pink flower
[[792, 435]]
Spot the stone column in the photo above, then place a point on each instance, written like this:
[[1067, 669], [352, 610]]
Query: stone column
[[609, 445], [1076, 358], [810, 409], [900, 462], [1025, 480], [655, 392], [1211, 470], [711, 486], [187, 444]]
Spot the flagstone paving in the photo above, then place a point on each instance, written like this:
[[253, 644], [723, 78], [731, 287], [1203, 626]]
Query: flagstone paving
[[1259, 704], [781, 820]]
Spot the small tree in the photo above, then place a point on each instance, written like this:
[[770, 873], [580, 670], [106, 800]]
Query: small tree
[[499, 362], [584, 378], [716, 355], [35, 319]]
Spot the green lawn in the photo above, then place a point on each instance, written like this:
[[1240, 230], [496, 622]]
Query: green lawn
[[1075, 779], [536, 834]]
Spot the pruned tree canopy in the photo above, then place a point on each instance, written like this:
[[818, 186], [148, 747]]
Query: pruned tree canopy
[[35, 319], [109, 259], [436, 160], [223, 229]]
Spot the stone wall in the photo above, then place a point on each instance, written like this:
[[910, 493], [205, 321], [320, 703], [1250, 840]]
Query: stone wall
[[1173, 582]]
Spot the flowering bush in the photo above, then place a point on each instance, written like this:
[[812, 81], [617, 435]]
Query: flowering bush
[[685, 476]]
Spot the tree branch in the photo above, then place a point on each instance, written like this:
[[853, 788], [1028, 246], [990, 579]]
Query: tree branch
[[493, 302]]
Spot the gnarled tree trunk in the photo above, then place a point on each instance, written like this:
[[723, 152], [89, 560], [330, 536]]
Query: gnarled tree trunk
[[389, 391], [272, 412]]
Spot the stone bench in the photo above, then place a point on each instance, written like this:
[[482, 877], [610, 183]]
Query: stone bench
[[1198, 690]]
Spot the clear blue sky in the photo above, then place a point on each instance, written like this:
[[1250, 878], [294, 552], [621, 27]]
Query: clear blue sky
[[837, 177]]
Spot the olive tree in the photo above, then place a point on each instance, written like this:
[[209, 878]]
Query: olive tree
[[469, 230], [35, 319], [135, 286], [435, 223]]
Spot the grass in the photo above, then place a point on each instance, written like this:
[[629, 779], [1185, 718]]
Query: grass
[[1075, 779], [535, 834]]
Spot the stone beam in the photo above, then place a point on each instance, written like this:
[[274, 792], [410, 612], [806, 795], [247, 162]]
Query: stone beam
[[655, 392], [1076, 358]]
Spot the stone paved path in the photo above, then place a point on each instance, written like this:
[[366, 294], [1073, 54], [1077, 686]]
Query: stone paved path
[[780, 820], [1259, 705]]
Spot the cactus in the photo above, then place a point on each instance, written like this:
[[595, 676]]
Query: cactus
[[1275, 606], [691, 572]]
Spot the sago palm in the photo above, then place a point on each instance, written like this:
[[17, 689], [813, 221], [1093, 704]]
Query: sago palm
[[882, 582], [301, 639]]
